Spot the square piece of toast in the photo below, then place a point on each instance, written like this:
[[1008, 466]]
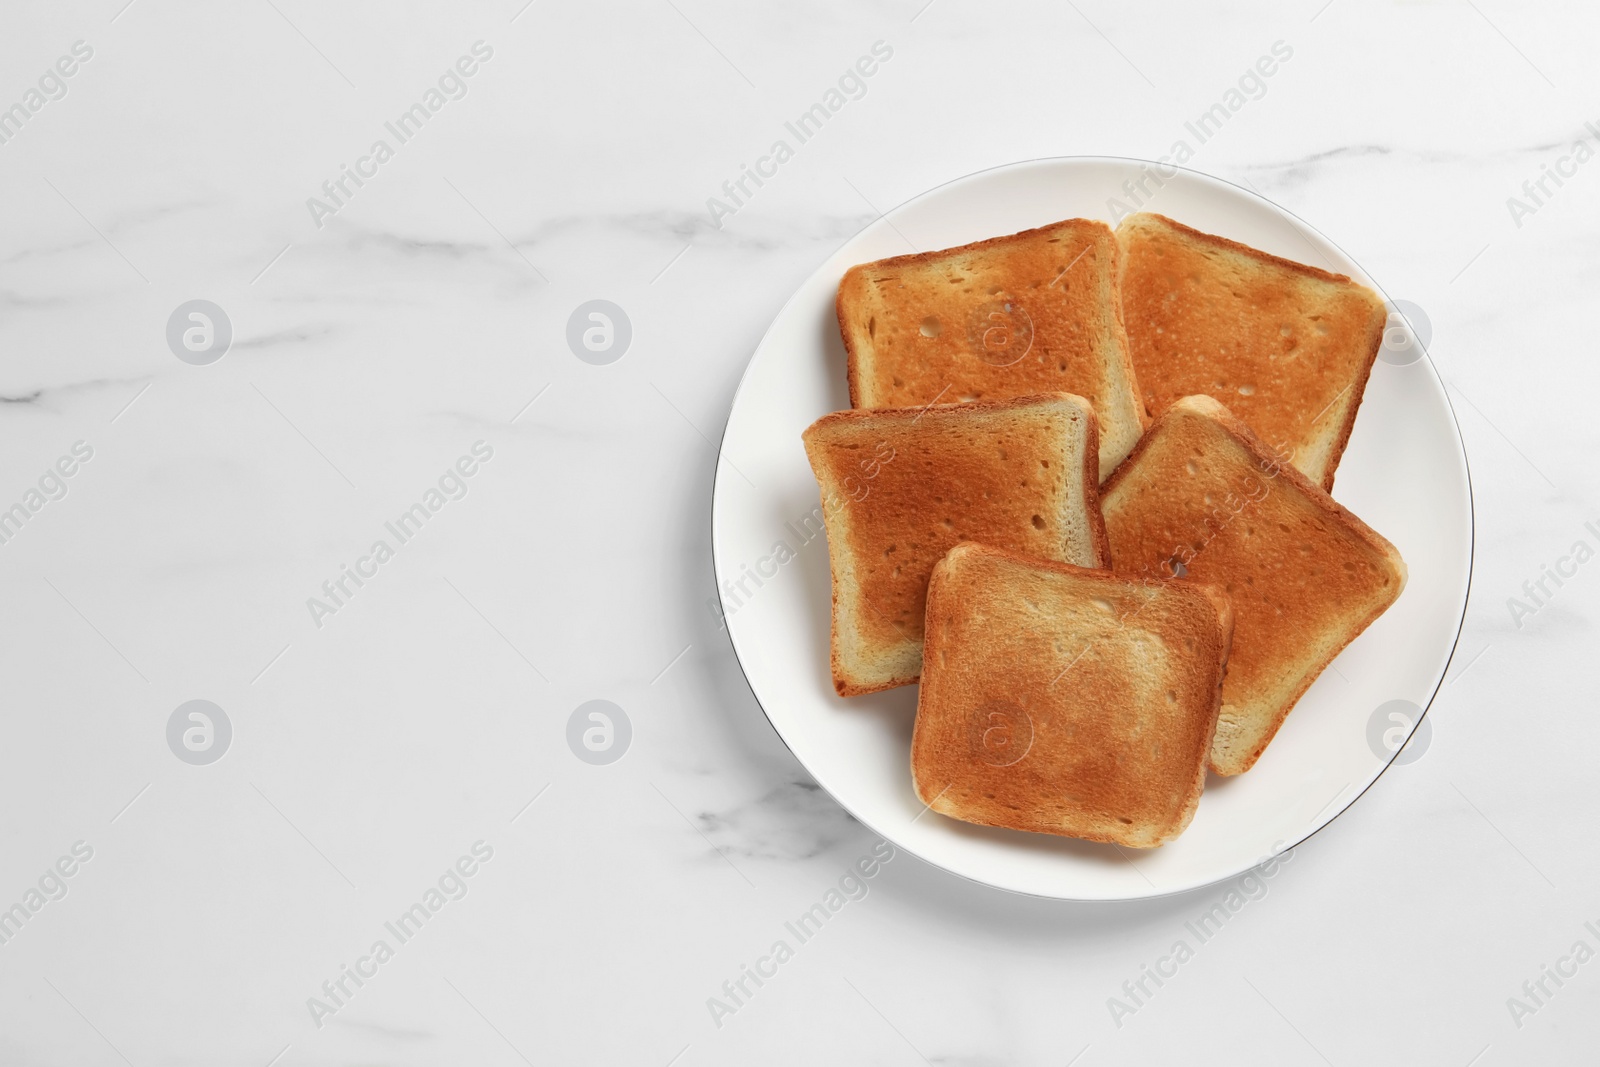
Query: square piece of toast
[[901, 487], [1287, 347], [1202, 496], [1035, 312], [1067, 701]]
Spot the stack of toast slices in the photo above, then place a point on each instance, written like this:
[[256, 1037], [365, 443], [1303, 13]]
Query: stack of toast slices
[[1085, 504]]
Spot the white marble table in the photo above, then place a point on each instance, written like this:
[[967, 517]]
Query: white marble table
[[411, 733]]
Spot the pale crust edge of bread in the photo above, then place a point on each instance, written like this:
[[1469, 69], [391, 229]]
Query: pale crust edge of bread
[[1208, 407], [1341, 437], [1099, 540], [1358, 391], [1159, 835], [1224, 609], [844, 682], [852, 359], [1129, 375]]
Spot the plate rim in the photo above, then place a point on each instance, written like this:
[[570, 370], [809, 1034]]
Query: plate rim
[[1427, 357]]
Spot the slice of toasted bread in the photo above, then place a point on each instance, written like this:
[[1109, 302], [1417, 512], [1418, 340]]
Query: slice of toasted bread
[[1035, 312], [1286, 346], [901, 487], [1067, 701], [1203, 496]]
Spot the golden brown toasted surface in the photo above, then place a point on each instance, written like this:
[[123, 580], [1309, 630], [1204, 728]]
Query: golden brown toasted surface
[[900, 487], [1286, 346], [1066, 701], [1034, 312], [1201, 495]]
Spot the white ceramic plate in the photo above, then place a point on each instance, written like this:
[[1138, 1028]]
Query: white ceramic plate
[[1404, 472]]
